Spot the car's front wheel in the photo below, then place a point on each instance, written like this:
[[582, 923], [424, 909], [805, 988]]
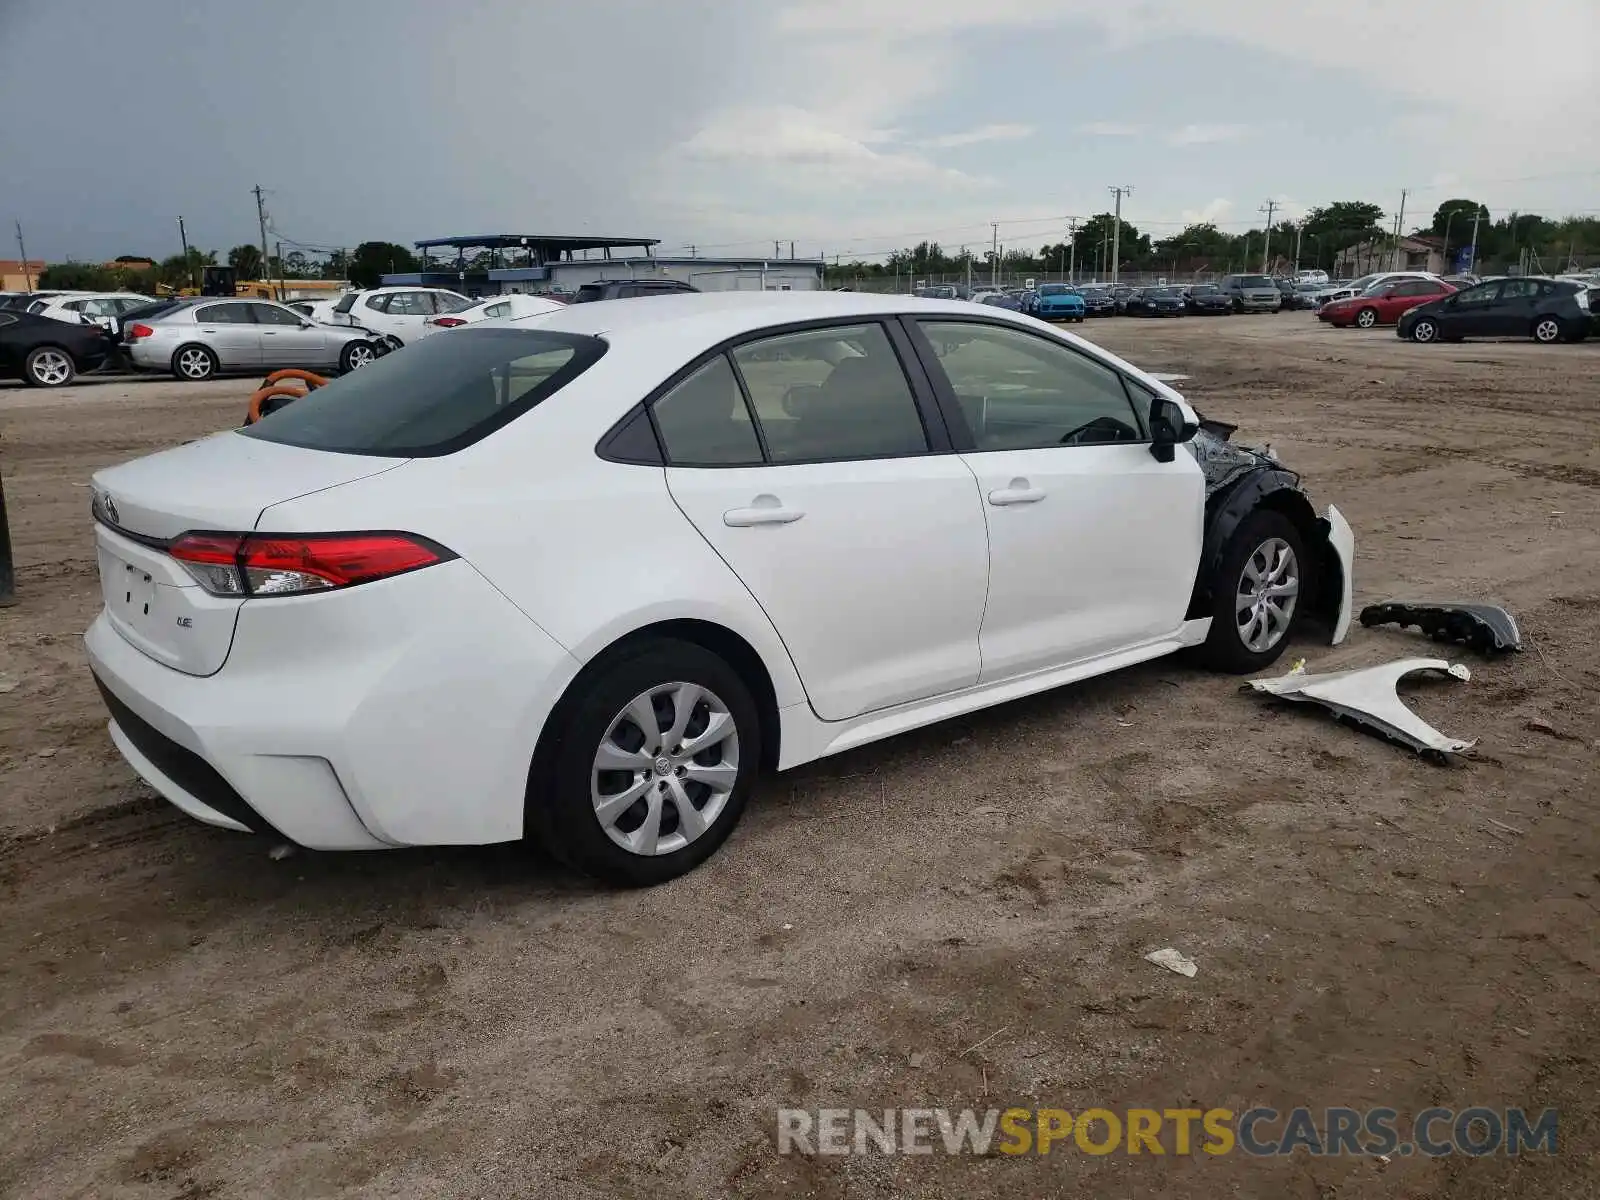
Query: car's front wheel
[[1367, 318], [1425, 330], [653, 760], [355, 356], [48, 366], [1256, 592]]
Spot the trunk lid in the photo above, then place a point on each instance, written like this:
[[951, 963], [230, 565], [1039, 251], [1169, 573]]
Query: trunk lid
[[220, 483]]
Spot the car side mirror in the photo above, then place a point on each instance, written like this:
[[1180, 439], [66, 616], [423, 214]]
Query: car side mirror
[[1168, 427]]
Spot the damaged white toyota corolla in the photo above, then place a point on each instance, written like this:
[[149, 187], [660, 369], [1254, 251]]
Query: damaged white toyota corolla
[[581, 579]]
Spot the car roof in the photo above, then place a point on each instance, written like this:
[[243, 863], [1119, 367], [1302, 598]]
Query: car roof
[[715, 316]]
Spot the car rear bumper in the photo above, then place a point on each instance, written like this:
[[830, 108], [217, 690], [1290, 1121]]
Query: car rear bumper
[[371, 722]]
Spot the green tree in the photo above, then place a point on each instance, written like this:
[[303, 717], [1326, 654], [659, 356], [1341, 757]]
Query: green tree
[[246, 260], [1094, 239], [77, 277], [1333, 227], [179, 272], [373, 260]]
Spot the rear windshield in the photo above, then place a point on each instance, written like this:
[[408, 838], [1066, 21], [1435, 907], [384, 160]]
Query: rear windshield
[[346, 303], [434, 397], [589, 292]]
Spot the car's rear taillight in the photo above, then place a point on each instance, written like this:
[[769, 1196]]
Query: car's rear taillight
[[262, 564], [447, 322], [136, 331]]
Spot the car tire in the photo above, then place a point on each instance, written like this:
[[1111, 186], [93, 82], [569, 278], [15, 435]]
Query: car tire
[[48, 366], [356, 355], [1425, 330], [1367, 318], [1547, 331], [568, 786], [194, 364], [1252, 559]]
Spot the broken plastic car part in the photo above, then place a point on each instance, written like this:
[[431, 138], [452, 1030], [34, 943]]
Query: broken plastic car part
[[1486, 628], [1367, 696]]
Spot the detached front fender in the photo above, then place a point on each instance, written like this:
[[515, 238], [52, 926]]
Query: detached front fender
[[1328, 539]]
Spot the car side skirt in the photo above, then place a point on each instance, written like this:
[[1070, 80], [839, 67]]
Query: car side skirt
[[806, 738]]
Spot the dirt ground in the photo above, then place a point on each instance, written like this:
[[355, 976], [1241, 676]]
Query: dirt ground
[[953, 918]]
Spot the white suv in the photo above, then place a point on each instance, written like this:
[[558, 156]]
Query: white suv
[[103, 309], [402, 313]]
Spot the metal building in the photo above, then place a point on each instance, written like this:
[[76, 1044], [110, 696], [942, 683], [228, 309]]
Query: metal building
[[491, 264]]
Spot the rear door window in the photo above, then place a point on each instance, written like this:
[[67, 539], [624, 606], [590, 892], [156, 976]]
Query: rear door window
[[441, 395], [271, 314], [704, 421]]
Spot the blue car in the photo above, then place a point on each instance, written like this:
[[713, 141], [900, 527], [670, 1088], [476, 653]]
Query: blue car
[[1058, 302]]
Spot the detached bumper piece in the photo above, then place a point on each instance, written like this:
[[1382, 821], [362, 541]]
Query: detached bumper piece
[[1367, 697], [1486, 628]]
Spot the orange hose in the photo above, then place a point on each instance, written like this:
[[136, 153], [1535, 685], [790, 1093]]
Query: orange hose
[[311, 380], [262, 394]]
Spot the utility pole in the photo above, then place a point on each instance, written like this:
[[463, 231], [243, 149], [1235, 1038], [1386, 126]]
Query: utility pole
[[1472, 266], [27, 272], [261, 217], [278, 246], [994, 253], [1116, 230], [1269, 208], [1072, 248], [967, 259], [1399, 229], [183, 240], [1298, 231], [776, 253]]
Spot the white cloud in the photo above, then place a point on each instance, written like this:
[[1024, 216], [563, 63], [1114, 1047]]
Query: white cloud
[[1111, 129], [1213, 213], [1205, 135], [984, 133]]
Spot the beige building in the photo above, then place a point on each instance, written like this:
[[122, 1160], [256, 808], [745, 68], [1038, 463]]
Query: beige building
[[17, 276]]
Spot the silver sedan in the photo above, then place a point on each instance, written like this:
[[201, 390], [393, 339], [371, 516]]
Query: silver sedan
[[198, 341]]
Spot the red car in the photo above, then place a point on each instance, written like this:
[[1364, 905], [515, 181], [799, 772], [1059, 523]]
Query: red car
[[1384, 303]]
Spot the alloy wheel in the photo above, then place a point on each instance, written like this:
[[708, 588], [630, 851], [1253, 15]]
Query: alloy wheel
[[51, 368], [194, 363], [1269, 589], [1424, 331], [1366, 318], [360, 355], [1547, 330], [665, 768]]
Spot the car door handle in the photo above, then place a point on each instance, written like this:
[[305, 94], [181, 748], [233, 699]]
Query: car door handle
[[1019, 492], [764, 510]]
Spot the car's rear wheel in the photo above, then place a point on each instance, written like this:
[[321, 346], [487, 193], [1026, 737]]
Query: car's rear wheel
[[1546, 330], [1367, 318], [652, 763], [48, 366], [194, 363], [1425, 330], [355, 356], [1256, 594]]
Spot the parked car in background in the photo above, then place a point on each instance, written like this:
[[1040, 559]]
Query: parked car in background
[[399, 313], [497, 308], [1058, 302], [199, 341], [1344, 289], [1461, 281], [1317, 277], [320, 310], [1251, 293], [1157, 302], [1306, 297], [1547, 310], [20, 301], [1382, 303], [300, 640], [939, 291], [1206, 299], [44, 352], [102, 308], [629, 289], [1098, 300], [1001, 300]]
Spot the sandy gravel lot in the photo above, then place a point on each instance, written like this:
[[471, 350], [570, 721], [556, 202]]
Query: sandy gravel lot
[[181, 1016]]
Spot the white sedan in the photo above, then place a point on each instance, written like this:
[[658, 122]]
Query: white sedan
[[512, 307], [581, 579]]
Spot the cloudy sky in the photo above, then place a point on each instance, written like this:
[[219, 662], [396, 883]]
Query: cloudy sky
[[848, 126]]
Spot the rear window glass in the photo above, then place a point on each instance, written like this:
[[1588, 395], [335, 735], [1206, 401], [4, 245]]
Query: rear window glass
[[346, 303], [434, 397], [589, 292]]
